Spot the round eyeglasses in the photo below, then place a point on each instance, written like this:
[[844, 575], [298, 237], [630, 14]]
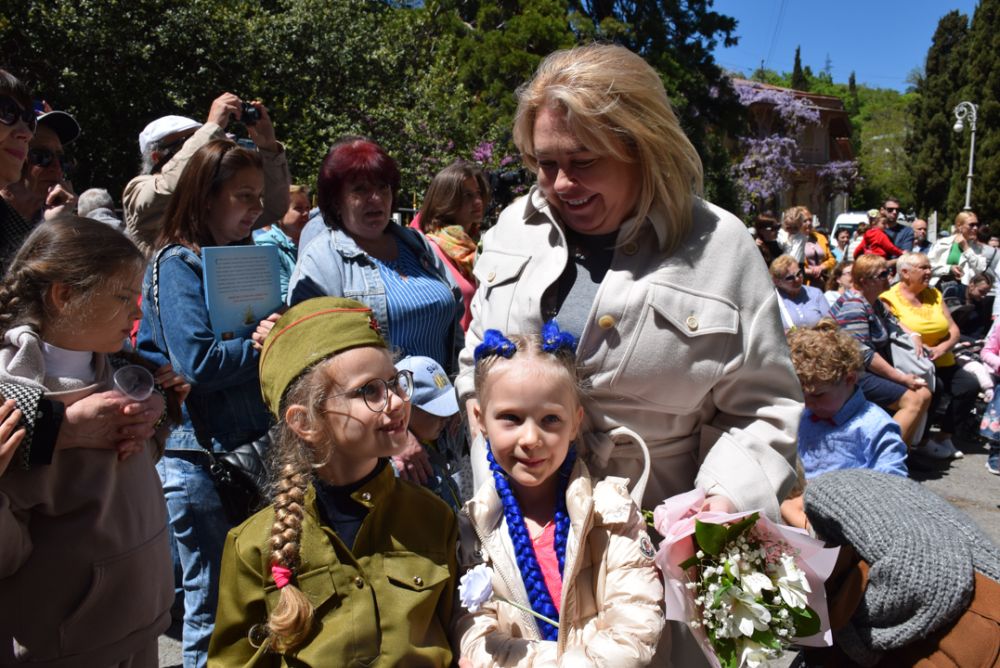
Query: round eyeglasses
[[376, 391]]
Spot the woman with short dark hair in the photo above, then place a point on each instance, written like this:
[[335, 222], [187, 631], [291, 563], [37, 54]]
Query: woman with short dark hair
[[363, 255]]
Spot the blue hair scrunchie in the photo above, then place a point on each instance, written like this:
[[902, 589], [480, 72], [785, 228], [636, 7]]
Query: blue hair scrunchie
[[494, 343], [554, 339]]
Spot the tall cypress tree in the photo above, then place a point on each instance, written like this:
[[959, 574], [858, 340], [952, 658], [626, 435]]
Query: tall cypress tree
[[982, 87], [799, 81], [932, 144]]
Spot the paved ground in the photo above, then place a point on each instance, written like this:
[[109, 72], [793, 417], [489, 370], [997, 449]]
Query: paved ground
[[963, 482]]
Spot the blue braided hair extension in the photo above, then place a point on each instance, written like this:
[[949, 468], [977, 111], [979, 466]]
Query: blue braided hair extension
[[524, 550], [494, 343], [554, 340]]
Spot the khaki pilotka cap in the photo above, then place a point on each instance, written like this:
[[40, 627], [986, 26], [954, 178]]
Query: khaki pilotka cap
[[310, 332]]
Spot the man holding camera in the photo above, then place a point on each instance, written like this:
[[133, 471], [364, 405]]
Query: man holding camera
[[169, 142]]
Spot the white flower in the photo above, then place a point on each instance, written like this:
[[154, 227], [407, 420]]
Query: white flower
[[476, 587], [745, 613], [753, 655], [754, 583], [792, 582]]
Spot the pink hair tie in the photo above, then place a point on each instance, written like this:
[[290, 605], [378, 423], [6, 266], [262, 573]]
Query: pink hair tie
[[281, 575]]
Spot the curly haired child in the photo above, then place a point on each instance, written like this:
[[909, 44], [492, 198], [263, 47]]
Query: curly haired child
[[840, 428]]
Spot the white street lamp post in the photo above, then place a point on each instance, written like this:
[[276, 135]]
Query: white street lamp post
[[968, 110]]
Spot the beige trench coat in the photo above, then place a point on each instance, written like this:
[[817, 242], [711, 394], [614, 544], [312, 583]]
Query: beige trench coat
[[685, 349]]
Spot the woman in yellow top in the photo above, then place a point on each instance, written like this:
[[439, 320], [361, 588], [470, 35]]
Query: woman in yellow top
[[921, 310]]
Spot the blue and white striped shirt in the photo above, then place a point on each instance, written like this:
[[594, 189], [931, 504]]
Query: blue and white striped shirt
[[421, 307]]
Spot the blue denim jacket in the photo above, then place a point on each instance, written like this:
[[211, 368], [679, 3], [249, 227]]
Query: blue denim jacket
[[225, 408], [332, 264]]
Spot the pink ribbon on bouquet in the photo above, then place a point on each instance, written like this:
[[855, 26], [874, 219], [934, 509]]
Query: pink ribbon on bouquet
[[675, 518]]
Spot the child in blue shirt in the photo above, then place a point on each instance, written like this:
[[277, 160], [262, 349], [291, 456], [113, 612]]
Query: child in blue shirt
[[840, 429]]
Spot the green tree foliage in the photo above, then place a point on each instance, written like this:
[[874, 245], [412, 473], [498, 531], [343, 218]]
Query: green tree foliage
[[798, 76], [982, 87], [932, 145], [429, 80]]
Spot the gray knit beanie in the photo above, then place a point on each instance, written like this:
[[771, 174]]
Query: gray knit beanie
[[922, 551]]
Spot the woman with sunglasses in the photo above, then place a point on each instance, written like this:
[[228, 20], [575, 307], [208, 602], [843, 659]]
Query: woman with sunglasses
[[43, 190], [861, 313], [922, 311], [766, 228], [800, 305], [961, 256], [17, 127]]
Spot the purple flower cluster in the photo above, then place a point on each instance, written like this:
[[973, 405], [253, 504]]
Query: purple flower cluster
[[839, 177], [764, 171], [483, 154], [796, 112]]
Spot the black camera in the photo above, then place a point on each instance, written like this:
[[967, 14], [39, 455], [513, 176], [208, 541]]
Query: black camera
[[249, 114]]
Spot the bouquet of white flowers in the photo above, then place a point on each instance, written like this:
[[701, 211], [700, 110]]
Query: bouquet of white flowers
[[746, 587]]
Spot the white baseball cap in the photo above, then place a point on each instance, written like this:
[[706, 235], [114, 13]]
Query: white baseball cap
[[164, 127], [432, 391]]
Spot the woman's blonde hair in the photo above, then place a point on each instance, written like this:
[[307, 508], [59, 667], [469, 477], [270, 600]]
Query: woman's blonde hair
[[293, 461], [963, 217], [865, 267], [615, 104], [782, 265], [797, 216]]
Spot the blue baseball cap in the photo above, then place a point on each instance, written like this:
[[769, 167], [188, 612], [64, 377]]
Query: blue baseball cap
[[432, 391]]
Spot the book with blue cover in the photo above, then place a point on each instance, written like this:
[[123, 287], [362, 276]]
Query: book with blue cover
[[242, 287]]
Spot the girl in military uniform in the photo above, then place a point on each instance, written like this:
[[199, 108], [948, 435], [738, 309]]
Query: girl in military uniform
[[572, 571], [349, 566]]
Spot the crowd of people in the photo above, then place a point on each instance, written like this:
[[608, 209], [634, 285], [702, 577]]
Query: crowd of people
[[433, 401]]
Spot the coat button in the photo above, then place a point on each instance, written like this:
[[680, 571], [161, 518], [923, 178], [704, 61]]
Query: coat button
[[631, 248], [417, 580], [606, 322], [359, 583], [692, 323], [366, 496], [490, 276]]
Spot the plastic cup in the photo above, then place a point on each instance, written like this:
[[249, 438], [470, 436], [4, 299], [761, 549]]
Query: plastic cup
[[134, 381]]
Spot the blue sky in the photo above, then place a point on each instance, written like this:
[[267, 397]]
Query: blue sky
[[882, 41]]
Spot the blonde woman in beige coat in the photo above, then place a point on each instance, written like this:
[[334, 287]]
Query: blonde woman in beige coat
[[680, 337]]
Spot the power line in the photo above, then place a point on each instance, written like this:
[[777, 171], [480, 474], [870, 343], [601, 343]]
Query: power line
[[774, 35]]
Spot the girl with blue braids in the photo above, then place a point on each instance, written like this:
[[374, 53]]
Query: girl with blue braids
[[570, 549]]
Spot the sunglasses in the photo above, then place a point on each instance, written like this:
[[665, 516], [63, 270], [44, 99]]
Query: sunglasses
[[883, 274], [892, 209], [792, 277], [11, 112], [43, 157], [973, 225]]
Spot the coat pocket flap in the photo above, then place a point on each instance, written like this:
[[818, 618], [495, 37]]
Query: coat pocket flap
[[692, 313], [494, 268], [318, 585], [414, 572]]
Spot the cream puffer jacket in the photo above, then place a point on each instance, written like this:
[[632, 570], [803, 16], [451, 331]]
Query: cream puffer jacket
[[611, 612]]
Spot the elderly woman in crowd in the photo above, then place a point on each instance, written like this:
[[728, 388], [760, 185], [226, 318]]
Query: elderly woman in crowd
[[961, 256], [450, 217], [678, 335], [818, 261], [800, 305], [363, 255], [922, 311], [860, 313]]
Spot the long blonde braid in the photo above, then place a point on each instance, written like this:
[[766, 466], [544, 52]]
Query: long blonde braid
[[293, 461]]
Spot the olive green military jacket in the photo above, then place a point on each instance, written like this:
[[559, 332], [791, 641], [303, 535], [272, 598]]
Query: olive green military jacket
[[387, 602]]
